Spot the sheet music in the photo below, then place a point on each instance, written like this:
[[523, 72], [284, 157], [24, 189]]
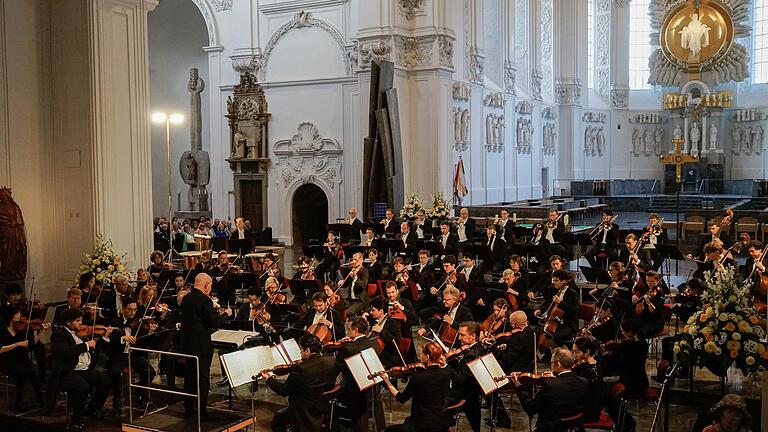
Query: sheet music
[[234, 337], [495, 369], [292, 349], [45, 336], [242, 365], [484, 369], [359, 367]]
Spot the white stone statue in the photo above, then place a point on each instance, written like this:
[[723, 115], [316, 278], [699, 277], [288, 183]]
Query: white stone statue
[[759, 140], [695, 35], [755, 144], [712, 137], [636, 141], [695, 138], [736, 139], [746, 137], [489, 129], [647, 141], [658, 138], [600, 142], [589, 143], [465, 126], [240, 140], [502, 129], [457, 125], [677, 133], [520, 125]]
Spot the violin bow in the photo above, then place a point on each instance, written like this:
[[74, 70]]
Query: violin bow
[[29, 318], [144, 315]]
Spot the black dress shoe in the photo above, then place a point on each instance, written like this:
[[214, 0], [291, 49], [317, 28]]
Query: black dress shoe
[[76, 427]]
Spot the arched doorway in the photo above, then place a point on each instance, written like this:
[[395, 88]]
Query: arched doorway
[[310, 214]]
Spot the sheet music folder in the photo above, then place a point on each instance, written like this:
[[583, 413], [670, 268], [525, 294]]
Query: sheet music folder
[[363, 365], [487, 371], [240, 366]]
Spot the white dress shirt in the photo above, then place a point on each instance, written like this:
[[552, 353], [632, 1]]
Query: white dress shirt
[[84, 360]]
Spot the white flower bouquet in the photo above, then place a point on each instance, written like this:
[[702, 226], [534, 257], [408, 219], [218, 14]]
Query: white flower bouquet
[[102, 262]]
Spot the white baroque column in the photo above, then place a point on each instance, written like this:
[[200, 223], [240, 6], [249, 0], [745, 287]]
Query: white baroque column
[[570, 64], [122, 175], [619, 54]]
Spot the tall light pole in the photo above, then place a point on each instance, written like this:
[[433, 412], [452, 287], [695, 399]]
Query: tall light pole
[[175, 118]]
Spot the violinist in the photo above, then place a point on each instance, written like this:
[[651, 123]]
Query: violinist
[[13, 295], [142, 278], [157, 265], [256, 311], [469, 390], [568, 303], [304, 388], [715, 260], [149, 306], [756, 262], [388, 329], [428, 391], [496, 321], [206, 263], [516, 352], [627, 359], [402, 277], [472, 274], [452, 313], [73, 371], [335, 300], [497, 248], [357, 401], [74, 299], [688, 300], [271, 269], [86, 283], [503, 227], [605, 236], [126, 333], [179, 283], [14, 356], [585, 366], [112, 301], [649, 306], [558, 398], [305, 269], [356, 285], [604, 326], [396, 301], [373, 266], [322, 313], [221, 286], [633, 255], [620, 287]]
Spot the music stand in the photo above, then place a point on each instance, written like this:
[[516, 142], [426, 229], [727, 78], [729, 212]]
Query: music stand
[[596, 275], [580, 239], [240, 247], [492, 291], [670, 252], [350, 250], [303, 289], [343, 230], [219, 243], [431, 246], [522, 232], [379, 244], [378, 229], [313, 251]]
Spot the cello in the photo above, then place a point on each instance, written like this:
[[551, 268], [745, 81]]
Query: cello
[[551, 320]]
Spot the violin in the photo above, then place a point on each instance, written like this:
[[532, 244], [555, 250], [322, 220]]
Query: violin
[[528, 378], [86, 331], [396, 312], [645, 299], [28, 324], [612, 344], [400, 371], [335, 346], [456, 352], [279, 370]]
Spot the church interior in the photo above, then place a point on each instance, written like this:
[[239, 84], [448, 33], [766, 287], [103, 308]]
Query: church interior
[[312, 215]]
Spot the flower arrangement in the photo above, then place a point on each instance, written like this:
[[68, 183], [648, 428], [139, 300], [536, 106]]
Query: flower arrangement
[[727, 329], [411, 207], [103, 262], [439, 208]]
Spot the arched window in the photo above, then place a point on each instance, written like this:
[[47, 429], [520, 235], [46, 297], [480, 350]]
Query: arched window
[[590, 44], [760, 47], [639, 45]]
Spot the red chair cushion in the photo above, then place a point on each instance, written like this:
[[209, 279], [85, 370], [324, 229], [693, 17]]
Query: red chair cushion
[[604, 422]]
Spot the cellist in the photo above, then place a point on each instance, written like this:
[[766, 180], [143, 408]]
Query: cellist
[[452, 314], [568, 301], [322, 314], [649, 306]]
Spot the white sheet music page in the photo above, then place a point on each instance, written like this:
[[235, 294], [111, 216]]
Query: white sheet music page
[[292, 349], [362, 365], [495, 369], [242, 365], [482, 376]]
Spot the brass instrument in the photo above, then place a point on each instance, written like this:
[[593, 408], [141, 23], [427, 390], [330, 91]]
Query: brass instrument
[[552, 224], [603, 226], [657, 229]]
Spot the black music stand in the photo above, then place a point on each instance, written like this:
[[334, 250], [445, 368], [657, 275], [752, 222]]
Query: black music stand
[[492, 291], [580, 239], [431, 246], [379, 244], [378, 229], [219, 243], [522, 233], [596, 275], [350, 250], [313, 251], [342, 230], [394, 247], [670, 252], [240, 247], [242, 281], [303, 289]]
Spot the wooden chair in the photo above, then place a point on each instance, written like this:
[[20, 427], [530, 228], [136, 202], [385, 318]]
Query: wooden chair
[[747, 225], [694, 224]]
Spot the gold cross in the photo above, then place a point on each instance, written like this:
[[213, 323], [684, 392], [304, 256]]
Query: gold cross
[[678, 158]]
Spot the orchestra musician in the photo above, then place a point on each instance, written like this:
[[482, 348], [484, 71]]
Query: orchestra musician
[[452, 313], [586, 367], [402, 277], [517, 266], [357, 401], [657, 236], [322, 313], [753, 263], [409, 240], [240, 232], [395, 300], [503, 227], [420, 225], [422, 274], [304, 388], [428, 391], [543, 252], [620, 288], [335, 300], [112, 301], [627, 360], [370, 236], [715, 260], [606, 236], [72, 370], [465, 227], [126, 333], [205, 265], [558, 398], [74, 299], [199, 319], [568, 303], [355, 226], [142, 278], [556, 262], [390, 224], [305, 269], [449, 242], [374, 266], [469, 349], [609, 329], [13, 294], [712, 235], [497, 250], [355, 285], [497, 321], [555, 228], [332, 255], [388, 329], [631, 256], [157, 265], [516, 352], [431, 305], [649, 306], [515, 285], [14, 356]]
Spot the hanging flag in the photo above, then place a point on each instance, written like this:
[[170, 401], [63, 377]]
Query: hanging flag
[[459, 188]]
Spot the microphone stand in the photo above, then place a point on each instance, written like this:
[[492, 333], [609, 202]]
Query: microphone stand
[[664, 397]]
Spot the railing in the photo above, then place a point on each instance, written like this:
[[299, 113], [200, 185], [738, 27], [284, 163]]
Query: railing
[[651, 194], [150, 388]]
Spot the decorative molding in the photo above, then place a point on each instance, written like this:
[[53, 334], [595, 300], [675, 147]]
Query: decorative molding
[[647, 118], [549, 113], [546, 50], [297, 5], [568, 91], [307, 157], [510, 74], [370, 50], [445, 50], [413, 52], [221, 5], [594, 117], [524, 107], [461, 91], [536, 77], [475, 63], [246, 63], [619, 98], [494, 100], [303, 19], [621, 3], [210, 23], [602, 49], [461, 125], [411, 8]]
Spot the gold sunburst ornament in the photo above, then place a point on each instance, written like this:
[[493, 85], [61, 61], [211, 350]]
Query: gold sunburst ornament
[[696, 36]]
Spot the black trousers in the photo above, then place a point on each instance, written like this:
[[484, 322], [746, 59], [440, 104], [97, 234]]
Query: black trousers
[[140, 364], [472, 409], [23, 373], [190, 383], [281, 420], [592, 252], [78, 384]]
